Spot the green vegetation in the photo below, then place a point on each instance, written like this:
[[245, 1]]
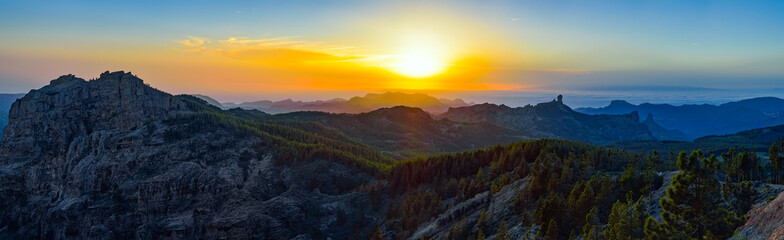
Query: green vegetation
[[293, 141], [694, 207], [574, 189], [566, 181], [561, 189]]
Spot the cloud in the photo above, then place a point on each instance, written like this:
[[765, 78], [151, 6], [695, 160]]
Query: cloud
[[275, 50], [194, 44]]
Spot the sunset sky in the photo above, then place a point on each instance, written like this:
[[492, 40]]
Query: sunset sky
[[237, 50]]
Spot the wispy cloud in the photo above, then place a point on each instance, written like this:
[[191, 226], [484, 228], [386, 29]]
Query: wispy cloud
[[290, 49], [194, 44]]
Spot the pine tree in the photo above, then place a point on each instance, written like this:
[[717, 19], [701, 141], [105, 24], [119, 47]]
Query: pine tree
[[480, 235], [525, 218], [626, 221], [552, 230], [776, 160], [693, 207], [591, 228], [503, 232], [377, 235]]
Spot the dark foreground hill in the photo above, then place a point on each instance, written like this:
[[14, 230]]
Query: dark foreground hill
[[703, 120], [113, 158], [555, 120]]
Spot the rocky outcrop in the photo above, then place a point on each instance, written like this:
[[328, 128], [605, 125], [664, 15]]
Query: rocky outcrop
[[765, 222], [499, 207], [113, 158], [69, 107]]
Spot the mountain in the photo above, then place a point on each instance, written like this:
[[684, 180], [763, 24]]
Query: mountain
[[763, 104], [7, 99], [369, 102], [408, 131], [757, 140], [661, 133], [5, 104], [702, 120], [282, 106], [113, 158], [555, 120], [208, 99]]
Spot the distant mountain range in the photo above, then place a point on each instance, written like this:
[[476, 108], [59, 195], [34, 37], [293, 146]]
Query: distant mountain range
[[369, 102], [6, 100], [756, 140], [555, 120], [703, 120], [407, 130]]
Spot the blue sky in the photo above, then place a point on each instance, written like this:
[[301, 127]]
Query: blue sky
[[522, 44]]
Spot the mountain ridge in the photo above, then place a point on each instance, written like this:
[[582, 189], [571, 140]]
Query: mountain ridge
[[115, 158], [705, 119], [357, 104], [402, 129], [555, 120]]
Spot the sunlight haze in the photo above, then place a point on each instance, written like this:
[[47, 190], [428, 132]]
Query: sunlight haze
[[239, 50]]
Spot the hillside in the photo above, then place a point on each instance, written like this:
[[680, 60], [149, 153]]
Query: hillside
[[369, 102], [208, 99], [555, 120], [408, 132], [766, 221], [703, 120]]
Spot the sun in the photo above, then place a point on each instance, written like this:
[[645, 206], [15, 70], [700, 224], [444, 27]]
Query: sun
[[418, 65], [419, 58]]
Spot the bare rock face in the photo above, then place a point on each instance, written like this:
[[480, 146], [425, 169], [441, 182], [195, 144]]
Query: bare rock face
[[113, 158], [69, 107], [765, 222]]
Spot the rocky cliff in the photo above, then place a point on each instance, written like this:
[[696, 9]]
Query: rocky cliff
[[114, 158]]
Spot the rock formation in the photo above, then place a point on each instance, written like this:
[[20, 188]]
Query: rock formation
[[113, 158]]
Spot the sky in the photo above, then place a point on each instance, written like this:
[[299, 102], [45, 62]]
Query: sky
[[250, 50]]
